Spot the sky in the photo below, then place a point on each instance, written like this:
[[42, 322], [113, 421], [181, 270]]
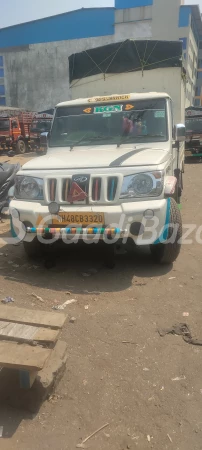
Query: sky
[[18, 11]]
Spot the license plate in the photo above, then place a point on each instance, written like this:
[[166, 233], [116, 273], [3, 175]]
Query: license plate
[[80, 219]]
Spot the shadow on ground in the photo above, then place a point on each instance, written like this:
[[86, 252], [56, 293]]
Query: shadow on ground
[[72, 263], [193, 160], [10, 420], [10, 417]]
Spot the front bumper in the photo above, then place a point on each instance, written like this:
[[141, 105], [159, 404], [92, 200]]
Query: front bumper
[[119, 219]]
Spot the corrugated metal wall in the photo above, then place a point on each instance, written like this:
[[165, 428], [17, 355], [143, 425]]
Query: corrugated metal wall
[[83, 23]]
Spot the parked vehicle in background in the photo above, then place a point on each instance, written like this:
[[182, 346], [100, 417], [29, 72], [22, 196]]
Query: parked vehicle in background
[[7, 181], [41, 124], [15, 126], [114, 164], [193, 122]]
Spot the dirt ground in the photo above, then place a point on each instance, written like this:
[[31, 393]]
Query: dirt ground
[[119, 371]]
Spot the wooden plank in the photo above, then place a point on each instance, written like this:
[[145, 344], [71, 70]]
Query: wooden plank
[[27, 333], [23, 356], [32, 317]]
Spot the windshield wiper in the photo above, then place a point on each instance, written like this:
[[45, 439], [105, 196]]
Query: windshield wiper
[[90, 139], [99, 138], [78, 142]]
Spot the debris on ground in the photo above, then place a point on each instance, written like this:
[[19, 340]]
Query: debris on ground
[[172, 278], [54, 398], [183, 330], [86, 307], [169, 438], [149, 438], [82, 445], [185, 314], [72, 320], [7, 300], [37, 297], [179, 378], [63, 306]]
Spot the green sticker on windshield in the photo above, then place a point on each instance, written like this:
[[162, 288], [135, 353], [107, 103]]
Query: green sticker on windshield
[[159, 114], [106, 115], [108, 109]]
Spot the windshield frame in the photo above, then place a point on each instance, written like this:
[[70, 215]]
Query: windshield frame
[[94, 142]]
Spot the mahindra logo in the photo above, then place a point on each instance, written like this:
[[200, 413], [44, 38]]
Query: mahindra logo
[[80, 179]]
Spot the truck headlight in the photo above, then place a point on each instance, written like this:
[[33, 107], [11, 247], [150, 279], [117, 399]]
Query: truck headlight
[[148, 184], [29, 188]]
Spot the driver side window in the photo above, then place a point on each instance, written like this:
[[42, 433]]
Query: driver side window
[[14, 124]]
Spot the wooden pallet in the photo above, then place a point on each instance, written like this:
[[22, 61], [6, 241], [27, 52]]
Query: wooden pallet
[[26, 340]]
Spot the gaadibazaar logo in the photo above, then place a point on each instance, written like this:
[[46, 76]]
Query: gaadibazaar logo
[[191, 233]]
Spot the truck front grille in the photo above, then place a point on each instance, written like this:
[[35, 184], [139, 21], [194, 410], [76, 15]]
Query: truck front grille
[[52, 189], [98, 189], [112, 188], [65, 189]]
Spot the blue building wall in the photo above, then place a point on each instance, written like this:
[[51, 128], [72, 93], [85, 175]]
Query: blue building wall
[[124, 4], [2, 86], [184, 16], [83, 23]]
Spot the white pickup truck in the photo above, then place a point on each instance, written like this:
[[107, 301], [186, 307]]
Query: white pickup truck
[[110, 174]]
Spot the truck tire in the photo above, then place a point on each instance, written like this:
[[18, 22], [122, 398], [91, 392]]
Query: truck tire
[[168, 252], [33, 249], [21, 147]]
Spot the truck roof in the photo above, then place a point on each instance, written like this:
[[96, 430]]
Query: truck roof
[[8, 112], [114, 97]]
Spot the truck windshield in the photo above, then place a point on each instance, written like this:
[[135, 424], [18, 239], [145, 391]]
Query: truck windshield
[[4, 125], [116, 123], [194, 125], [40, 126]]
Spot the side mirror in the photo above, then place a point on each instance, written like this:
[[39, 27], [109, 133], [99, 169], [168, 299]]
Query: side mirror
[[179, 132]]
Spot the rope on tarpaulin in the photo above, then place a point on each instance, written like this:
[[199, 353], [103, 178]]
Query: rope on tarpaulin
[[143, 63], [113, 54], [115, 74]]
